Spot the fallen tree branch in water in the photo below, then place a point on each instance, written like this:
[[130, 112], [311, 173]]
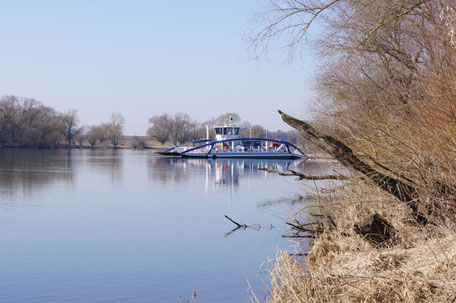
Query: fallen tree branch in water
[[243, 226], [302, 176], [237, 224], [298, 226], [301, 227], [299, 236]]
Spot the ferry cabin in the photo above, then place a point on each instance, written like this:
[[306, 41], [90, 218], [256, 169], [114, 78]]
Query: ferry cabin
[[226, 132]]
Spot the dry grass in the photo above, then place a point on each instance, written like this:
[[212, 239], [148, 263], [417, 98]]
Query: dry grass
[[344, 267]]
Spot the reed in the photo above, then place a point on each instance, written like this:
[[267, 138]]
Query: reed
[[343, 267]]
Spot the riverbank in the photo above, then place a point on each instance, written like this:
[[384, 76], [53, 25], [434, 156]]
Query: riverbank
[[414, 264], [127, 143]]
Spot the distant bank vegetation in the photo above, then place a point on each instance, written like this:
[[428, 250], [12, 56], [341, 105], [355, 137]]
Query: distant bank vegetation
[[26, 122], [181, 128]]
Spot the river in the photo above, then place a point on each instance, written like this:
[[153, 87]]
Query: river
[[129, 226]]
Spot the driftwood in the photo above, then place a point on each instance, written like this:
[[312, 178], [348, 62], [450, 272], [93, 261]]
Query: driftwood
[[302, 176], [345, 155], [243, 226], [299, 236], [312, 233], [302, 227], [237, 224]]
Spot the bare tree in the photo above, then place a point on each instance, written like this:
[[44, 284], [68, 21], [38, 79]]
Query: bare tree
[[387, 113], [81, 135], [95, 134], [257, 131], [286, 22], [8, 109], [226, 118], [244, 129], [27, 122], [279, 135], [182, 128], [379, 56], [191, 131], [114, 129], [160, 128], [70, 123]]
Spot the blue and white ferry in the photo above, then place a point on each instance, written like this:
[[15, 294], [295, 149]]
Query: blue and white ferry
[[229, 144]]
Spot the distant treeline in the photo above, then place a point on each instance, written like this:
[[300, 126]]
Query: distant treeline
[[181, 128], [26, 122]]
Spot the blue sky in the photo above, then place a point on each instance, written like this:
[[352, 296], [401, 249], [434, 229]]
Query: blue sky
[[144, 58]]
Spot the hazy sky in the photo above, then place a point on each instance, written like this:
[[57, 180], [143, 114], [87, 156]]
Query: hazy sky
[[144, 58]]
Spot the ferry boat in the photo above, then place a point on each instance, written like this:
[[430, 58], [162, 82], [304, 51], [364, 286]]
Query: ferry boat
[[229, 144]]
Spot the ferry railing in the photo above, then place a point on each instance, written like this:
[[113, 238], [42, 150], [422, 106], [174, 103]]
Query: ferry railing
[[208, 147], [186, 143]]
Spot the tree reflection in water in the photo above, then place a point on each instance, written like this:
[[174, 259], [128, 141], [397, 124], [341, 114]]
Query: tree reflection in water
[[23, 171], [107, 161]]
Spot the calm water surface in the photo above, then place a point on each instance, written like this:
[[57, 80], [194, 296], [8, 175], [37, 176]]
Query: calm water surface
[[129, 226]]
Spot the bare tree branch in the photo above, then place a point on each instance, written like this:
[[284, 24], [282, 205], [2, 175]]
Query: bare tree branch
[[290, 20], [234, 222], [394, 186], [302, 176]]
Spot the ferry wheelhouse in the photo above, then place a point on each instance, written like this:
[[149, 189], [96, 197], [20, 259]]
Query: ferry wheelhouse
[[229, 144]]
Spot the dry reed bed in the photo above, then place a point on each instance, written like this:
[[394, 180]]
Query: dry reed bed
[[343, 267]]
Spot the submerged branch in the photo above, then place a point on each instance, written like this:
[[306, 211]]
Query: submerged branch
[[299, 236], [301, 228], [302, 176], [243, 226], [237, 224]]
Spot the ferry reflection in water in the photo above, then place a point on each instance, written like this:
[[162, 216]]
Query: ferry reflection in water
[[224, 172]]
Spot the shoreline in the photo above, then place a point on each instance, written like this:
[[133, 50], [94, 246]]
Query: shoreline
[[152, 147]]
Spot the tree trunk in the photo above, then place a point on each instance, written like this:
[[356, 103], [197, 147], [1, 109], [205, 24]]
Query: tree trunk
[[341, 152]]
